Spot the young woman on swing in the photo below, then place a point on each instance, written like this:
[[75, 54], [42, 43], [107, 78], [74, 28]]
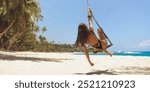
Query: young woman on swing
[[87, 36]]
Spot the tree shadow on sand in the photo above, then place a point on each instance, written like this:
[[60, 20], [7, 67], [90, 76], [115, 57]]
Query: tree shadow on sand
[[98, 72], [12, 58], [120, 71], [135, 70]]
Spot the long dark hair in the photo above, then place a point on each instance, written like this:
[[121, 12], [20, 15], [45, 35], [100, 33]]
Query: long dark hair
[[82, 36]]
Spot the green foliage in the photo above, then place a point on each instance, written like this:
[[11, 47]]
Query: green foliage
[[18, 27], [17, 20]]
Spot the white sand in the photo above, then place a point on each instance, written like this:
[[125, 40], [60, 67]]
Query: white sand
[[69, 63]]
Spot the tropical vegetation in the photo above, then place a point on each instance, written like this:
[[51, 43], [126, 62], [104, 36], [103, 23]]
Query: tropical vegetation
[[18, 28]]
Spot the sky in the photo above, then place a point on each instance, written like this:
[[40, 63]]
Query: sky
[[126, 22]]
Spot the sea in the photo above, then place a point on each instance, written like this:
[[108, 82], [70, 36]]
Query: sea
[[132, 53], [124, 53]]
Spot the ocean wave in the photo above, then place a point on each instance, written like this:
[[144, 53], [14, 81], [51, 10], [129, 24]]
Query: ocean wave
[[133, 52]]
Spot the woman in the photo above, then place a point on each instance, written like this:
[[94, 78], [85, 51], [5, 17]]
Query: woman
[[87, 36]]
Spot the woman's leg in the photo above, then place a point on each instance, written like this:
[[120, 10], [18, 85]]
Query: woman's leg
[[87, 55], [102, 38], [103, 41]]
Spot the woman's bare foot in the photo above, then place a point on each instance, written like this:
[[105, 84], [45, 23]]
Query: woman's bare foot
[[92, 64], [110, 54]]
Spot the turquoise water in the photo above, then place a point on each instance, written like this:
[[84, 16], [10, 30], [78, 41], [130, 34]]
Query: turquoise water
[[125, 53], [132, 53]]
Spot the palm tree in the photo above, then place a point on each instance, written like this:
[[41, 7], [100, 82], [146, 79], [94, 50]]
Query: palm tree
[[21, 16], [44, 29]]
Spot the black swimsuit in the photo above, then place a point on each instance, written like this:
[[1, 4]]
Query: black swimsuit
[[98, 45]]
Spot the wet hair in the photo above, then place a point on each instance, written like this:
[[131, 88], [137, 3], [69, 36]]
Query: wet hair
[[82, 35]]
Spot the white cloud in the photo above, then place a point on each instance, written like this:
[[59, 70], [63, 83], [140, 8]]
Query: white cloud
[[144, 44]]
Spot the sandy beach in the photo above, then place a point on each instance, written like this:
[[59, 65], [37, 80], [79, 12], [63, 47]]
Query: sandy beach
[[38, 63]]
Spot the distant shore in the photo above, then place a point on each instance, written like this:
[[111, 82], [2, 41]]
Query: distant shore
[[41, 63]]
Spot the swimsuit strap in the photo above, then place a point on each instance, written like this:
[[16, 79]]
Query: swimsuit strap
[[98, 45]]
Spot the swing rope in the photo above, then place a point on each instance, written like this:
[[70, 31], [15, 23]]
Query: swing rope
[[110, 43]]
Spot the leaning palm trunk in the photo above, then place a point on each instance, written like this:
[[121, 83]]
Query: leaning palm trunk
[[8, 28], [17, 46], [14, 39]]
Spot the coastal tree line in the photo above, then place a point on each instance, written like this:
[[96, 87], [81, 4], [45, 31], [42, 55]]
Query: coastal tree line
[[18, 28]]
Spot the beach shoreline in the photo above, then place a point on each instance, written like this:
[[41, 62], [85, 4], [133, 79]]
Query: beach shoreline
[[41, 63]]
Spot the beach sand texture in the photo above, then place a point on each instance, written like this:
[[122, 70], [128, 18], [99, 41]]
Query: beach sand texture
[[38, 63]]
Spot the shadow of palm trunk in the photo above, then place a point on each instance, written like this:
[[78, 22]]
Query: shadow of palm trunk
[[13, 58], [98, 72]]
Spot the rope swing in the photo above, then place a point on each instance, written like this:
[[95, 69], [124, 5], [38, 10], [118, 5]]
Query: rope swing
[[110, 43]]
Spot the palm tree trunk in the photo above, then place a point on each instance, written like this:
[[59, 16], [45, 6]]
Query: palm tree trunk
[[1, 34], [19, 34], [14, 39], [15, 46]]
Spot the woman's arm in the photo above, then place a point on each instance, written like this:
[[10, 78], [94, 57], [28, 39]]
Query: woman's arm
[[87, 54]]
